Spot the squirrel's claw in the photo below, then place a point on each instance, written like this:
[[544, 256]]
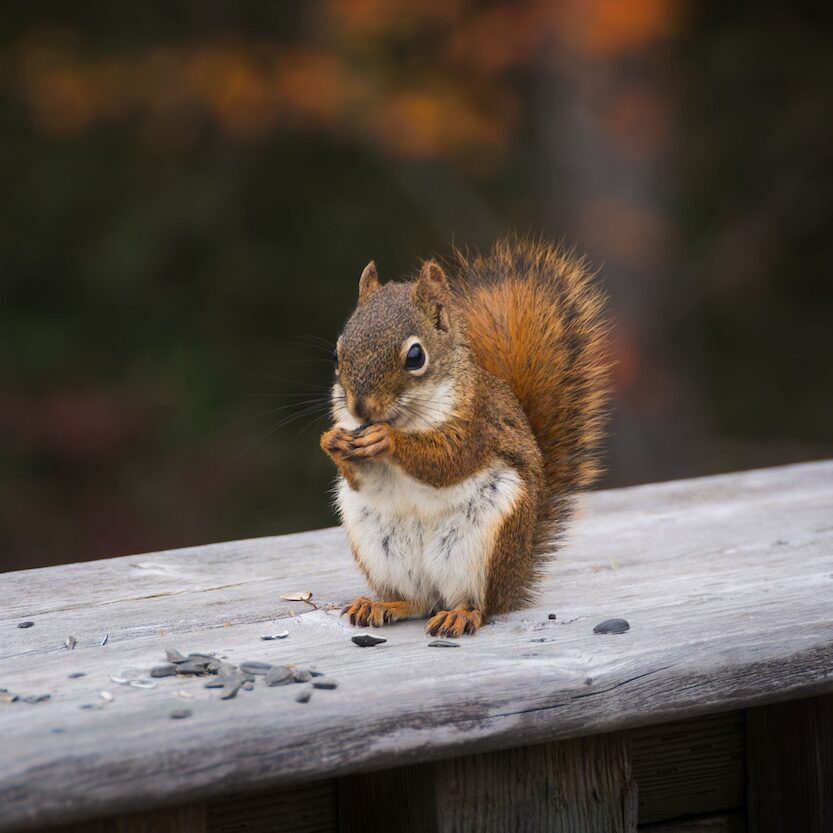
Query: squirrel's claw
[[374, 441], [363, 612], [358, 611], [454, 622]]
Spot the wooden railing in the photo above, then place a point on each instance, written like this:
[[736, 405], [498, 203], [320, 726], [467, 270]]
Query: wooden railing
[[535, 723]]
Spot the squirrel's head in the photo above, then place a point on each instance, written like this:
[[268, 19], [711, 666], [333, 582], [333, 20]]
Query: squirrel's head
[[397, 358]]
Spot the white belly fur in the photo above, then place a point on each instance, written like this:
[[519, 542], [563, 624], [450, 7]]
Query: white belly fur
[[423, 544]]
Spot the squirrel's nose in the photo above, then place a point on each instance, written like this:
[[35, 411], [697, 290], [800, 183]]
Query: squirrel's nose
[[360, 408]]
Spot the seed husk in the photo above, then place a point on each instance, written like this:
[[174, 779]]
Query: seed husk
[[302, 675], [180, 714], [142, 684], [270, 636], [27, 624], [70, 642], [76, 674], [366, 640], [105, 640], [36, 698], [304, 596], [303, 696], [279, 675], [551, 616], [248, 685], [167, 669], [252, 667], [191, 666], [174, 655], [612, 626], [230, 690], [443, 643], [106, 696], [222, 682], [323, 682]]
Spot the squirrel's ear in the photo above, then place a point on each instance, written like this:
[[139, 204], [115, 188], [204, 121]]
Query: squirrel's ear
[[433, 293], [368, 282]]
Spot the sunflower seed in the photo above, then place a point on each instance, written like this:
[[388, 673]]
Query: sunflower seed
[[252, 667], [323, 682], [71, 642], [612, 626], [180, 714], [91, 706], [25, 624], [279, 675], [366, 640], [551, 616], [222, 682], [167, 669], [443, 643], [174, 656], [191, 666], [303, 696], [105, 640], [36, 698], [270, 636], [230, 690], [76, 674]]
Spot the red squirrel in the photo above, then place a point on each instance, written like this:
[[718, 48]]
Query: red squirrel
[[468, 411]]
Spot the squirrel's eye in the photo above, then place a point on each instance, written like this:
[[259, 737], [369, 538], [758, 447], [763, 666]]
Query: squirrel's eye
[[335, 357], [415, 359]]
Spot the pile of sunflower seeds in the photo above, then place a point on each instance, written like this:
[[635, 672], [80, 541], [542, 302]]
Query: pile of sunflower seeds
[[7, 696], [231, 678]]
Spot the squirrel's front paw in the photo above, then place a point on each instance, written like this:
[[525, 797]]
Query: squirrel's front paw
[[365, 612], [374, 441], [337, 442], [454, 622]]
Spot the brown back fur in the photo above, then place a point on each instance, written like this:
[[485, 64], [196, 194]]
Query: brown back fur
[[534, 319]]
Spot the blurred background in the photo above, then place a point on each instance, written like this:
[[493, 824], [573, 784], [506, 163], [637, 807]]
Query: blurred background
[[190, 191]]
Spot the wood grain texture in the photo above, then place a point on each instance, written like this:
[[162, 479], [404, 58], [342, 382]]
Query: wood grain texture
[[690, 767], [722, 823], [727, 583], [189, 818], [790, 766], [581, 785]]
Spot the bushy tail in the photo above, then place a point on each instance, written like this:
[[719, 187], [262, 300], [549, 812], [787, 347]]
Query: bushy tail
[[535, 320]]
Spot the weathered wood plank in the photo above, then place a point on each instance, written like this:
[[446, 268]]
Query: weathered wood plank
[[726, 582], [582, 785], [190, 818], [690, 767], [723, 823], [790, 766]]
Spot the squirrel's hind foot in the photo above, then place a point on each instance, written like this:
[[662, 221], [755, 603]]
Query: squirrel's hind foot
[[454, 622], [365, 612]]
